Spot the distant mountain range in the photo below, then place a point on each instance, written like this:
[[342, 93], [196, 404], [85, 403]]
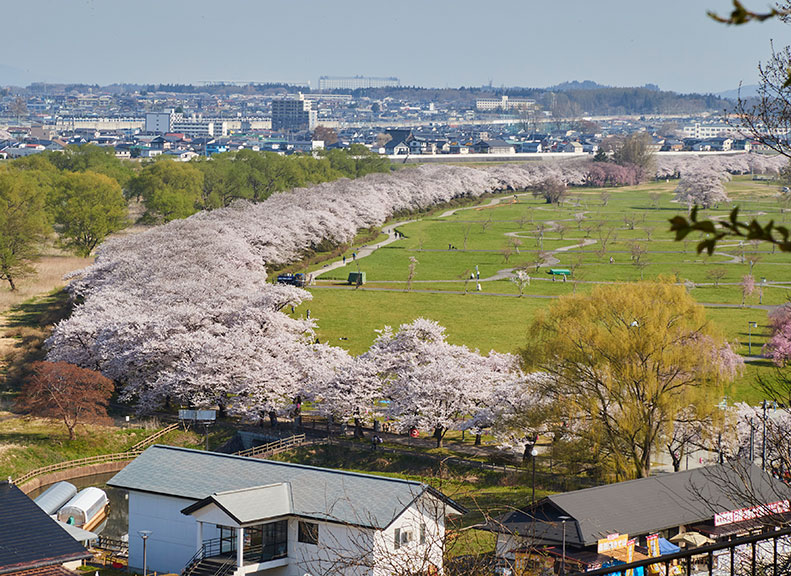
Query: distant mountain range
[[747, 91]]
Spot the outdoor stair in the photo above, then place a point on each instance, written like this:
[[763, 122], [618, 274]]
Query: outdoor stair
[[213, 566]]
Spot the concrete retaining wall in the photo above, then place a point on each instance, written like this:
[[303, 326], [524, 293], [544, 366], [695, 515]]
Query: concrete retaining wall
[[71, 473]]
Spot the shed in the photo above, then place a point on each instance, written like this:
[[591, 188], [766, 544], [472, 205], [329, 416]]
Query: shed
[[54, 497], [357, 278], [84, 508]]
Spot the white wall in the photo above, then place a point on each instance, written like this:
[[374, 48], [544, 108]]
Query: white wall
[[340, 551], [413, 555], [173, 539]]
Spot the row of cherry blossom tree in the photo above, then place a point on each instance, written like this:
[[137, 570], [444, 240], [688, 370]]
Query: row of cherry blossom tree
[[182, 314]]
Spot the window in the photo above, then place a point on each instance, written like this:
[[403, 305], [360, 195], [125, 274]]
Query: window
[[422, 533], [397, 538], [308, 533]]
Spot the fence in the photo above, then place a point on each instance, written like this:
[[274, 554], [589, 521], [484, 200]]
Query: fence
[[154, 437], [765, 554], [272, 448], [130, 454]]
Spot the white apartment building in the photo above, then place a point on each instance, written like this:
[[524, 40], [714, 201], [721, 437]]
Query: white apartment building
[[503, 103], [705, 131]]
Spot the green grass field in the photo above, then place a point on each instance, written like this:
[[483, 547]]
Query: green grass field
[[522, 233]]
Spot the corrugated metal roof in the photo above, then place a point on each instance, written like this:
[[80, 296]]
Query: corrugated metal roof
[[28, 537], [321, 493]]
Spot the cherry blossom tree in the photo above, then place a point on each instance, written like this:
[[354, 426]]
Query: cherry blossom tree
[[183, 313], [351, 393], [779, 346], [703, 188], [431, 384]]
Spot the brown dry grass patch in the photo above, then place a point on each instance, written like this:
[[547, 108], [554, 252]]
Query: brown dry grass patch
[[50, 270]]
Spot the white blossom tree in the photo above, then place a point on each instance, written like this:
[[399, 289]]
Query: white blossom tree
[[183, 312], [431, 384]]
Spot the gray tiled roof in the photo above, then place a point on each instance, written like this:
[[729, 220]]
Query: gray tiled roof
[[332, 495], [251, 504], [650, 504]]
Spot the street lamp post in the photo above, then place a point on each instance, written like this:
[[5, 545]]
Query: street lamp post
[[563, 553], [144, 534], [750, 326], [533, 454], [763, 438]]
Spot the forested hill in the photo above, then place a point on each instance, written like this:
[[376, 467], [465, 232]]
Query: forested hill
[[566, 100], [571, 99]]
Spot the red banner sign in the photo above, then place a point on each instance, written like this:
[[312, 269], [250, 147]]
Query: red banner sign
[[751, 513]]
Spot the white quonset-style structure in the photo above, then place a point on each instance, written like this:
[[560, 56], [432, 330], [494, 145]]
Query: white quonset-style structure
[[291, 519]]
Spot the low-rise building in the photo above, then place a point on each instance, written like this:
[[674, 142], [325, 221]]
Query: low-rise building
[[718, 502], [277, 518], [32, 543], [493, 147]]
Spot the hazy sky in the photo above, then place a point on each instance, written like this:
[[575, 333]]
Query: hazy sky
[[424, 42]]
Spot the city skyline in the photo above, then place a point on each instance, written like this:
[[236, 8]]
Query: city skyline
[[438, 44]]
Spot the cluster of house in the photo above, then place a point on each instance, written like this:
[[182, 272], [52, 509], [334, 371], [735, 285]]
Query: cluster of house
[[408, 142], [17, 142], [290, 127], [194, 512]]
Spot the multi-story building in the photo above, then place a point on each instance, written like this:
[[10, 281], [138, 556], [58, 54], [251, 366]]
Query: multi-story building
[[161, 122], [503, 103], [356, 82], [699, 130], [293, 114], [198, 126]]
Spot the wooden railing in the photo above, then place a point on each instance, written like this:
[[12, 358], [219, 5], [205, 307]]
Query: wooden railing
[[130, 454], [100, 459], [154, 437], [272, 448]]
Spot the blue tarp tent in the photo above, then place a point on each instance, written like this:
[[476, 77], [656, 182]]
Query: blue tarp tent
[[667, 547]]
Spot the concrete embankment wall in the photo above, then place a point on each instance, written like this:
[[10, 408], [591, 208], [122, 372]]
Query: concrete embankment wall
[[71, 473]]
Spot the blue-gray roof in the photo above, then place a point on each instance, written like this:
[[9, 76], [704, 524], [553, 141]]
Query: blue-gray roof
[[332, 495]]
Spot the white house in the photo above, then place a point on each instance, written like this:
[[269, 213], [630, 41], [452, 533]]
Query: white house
[[292, 520]]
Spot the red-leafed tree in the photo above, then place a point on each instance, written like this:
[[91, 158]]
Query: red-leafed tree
[[67, 392]]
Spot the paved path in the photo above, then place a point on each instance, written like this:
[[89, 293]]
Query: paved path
[[492, 202], [368, 287], [365, 250]]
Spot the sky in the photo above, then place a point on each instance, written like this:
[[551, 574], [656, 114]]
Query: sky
[[438, 43]]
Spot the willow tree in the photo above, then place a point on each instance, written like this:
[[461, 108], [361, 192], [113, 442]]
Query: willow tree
[[623, 362]]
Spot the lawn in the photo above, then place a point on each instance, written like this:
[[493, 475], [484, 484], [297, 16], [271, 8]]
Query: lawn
[[28, 443], [489, 241]]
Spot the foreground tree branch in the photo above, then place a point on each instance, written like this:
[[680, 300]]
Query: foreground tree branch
[[717, 230]]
